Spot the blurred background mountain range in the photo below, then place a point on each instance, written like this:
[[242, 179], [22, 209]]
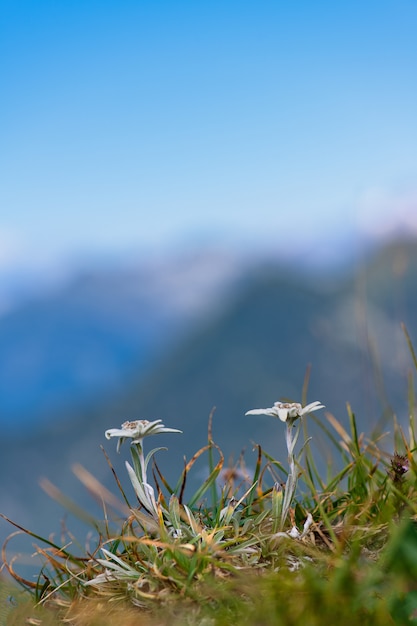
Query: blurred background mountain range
[[171, 340]]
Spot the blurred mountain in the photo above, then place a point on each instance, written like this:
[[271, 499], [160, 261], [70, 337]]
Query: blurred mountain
[[64, 346], [271, 328]]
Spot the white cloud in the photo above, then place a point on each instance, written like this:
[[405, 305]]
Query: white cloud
[[384, 213], [25, 269], [11, 248]]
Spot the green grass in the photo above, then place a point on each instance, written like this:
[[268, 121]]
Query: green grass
[[229, 553]]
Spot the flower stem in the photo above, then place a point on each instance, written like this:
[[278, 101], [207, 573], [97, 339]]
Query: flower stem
[[291, 437]]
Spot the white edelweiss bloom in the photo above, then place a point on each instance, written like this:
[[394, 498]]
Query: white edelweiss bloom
[[287, 411], [137, 430]]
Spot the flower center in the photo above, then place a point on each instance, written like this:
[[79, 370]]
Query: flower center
[[288, 405], [133, 425]]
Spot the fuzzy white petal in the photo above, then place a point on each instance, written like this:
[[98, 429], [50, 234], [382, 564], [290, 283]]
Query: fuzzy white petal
[[313, 406], [259, 412], [282, 414], [117, 432]]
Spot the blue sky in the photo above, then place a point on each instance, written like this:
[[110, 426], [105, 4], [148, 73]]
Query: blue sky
[[131, 126]]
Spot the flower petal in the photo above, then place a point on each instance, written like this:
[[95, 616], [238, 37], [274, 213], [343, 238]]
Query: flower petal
[[313, 406], [282, 414], [270, 411], [117, 432]]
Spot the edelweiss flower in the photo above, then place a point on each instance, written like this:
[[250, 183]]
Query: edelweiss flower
[[137, 430], [287, 411]]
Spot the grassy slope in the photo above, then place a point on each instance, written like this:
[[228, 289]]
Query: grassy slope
[[356, 563]]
